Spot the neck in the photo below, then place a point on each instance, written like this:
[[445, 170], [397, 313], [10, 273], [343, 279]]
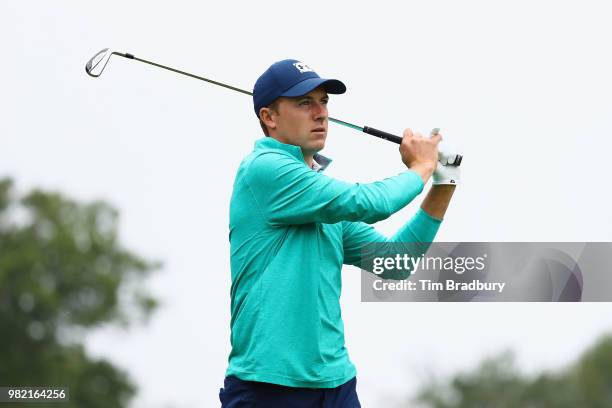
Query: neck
[[308, 155], [308, 158]]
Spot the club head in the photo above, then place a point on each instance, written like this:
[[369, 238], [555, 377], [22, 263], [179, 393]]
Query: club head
[[97, 63]]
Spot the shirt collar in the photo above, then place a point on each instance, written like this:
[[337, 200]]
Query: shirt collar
[[320, 162]]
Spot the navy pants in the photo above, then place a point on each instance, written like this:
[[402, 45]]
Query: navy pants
[[237, 393]]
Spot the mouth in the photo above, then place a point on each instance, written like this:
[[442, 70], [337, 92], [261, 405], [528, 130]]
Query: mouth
[[318, 130]]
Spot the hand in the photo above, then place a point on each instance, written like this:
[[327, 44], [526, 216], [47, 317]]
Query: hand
[[447, 154], [420, 154], [446, 174]]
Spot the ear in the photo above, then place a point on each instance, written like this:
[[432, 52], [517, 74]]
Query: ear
[[267, 116]]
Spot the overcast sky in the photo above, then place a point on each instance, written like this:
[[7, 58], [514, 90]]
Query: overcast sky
[[522, 87]]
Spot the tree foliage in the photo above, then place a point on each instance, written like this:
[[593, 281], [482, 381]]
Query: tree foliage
[[496, 382], [63, 272]]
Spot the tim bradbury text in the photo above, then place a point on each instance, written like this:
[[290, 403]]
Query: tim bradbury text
[[429, 285]]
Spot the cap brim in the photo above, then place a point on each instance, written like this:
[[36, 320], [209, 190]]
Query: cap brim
[[332, 86]]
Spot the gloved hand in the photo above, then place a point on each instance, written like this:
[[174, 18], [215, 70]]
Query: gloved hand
[[447, 154], [446, 173]]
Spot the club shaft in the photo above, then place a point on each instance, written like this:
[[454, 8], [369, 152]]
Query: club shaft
[[92, 63], [178, 71], [366, 129]]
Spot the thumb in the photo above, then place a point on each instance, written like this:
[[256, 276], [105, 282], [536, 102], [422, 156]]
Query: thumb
[[436, 137]]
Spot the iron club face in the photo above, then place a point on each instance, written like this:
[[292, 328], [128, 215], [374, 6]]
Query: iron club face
[[97, 63]]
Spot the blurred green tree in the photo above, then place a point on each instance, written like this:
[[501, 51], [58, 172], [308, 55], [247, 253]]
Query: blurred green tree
[[497, 383], [63, 272]]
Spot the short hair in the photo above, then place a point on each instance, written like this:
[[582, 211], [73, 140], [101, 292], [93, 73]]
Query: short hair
[[274, 107]]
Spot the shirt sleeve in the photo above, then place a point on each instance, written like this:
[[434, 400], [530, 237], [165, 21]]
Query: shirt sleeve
[[418, 234], [287, 192]]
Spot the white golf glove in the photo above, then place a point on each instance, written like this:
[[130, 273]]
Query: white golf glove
[[446, 173]]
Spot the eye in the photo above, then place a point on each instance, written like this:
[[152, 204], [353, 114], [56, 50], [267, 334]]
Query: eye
[[305, 102], [325, 101]]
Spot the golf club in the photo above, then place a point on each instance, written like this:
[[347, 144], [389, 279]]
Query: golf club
[[95, 66]]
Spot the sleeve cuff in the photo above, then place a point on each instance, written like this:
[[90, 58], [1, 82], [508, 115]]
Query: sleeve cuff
[[418, 179], [429, 218], [424, 226]]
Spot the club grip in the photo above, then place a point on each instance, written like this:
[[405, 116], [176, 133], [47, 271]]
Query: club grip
[[382, 135], [396, 139]]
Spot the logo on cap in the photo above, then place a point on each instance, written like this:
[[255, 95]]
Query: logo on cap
[[302, 67]]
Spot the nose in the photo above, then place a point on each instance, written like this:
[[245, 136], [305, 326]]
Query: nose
[[320, 111]]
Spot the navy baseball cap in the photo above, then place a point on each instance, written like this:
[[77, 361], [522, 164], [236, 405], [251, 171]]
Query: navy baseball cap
[[290, 78]]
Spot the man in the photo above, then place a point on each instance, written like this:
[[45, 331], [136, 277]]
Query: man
[[291, 230]]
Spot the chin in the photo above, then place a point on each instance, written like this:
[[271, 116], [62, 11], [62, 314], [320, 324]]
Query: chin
[[318, 145], [319, 141]]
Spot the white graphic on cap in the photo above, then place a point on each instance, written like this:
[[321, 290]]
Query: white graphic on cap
[[302, 67]]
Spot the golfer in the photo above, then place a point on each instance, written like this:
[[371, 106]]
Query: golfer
[[291, 230]]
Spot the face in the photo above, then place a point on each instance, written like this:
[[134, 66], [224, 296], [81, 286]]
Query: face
[[300, 121]]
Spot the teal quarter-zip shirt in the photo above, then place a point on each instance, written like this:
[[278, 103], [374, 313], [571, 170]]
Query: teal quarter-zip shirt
[[291, 230]]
